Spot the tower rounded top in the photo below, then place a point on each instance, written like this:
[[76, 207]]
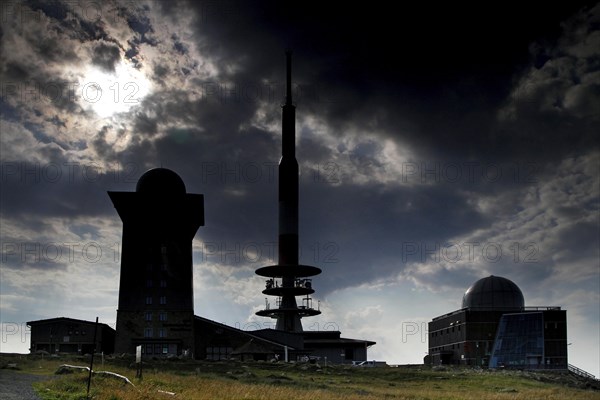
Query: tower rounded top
[[160, 181], [493, 292]]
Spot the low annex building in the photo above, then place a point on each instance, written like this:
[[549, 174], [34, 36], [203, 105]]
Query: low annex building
[[221, 342], [68, 335]]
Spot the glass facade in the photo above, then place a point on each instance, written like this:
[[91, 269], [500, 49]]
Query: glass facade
[[519, 341]]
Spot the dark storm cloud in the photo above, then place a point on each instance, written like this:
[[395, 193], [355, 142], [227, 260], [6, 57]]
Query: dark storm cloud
[[144, 124], [56, 10], [102, 148], [139, 21], [575, 238], [75, 20], [57, 39], [432, 67], [371, 244], [59, 188], [15, 72], [440, 81], [178, 45], [236, 176], [417, 77], [160, 71], [43, 254], [105, 56]]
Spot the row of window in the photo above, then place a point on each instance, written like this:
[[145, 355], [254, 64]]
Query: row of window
[[162, 300], [483, 346], [450, 347], [551, 325], [163, 267], [71, 333], [162, 316], [441, 332], [150, 283], [218, 353], [156, 348], [149, 333]]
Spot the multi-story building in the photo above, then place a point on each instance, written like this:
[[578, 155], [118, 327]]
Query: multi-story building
[[156, 298], [494, 328]]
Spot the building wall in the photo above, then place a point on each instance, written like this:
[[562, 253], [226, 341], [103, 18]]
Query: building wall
[[481, 327], [447, 337], [464, 337], [337, 353], [555, 339], [156, 327], [292, 339], [338, 350], [216, 341]]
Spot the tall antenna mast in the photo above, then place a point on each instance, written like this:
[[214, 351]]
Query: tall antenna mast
[[288, 92], [293, 275]]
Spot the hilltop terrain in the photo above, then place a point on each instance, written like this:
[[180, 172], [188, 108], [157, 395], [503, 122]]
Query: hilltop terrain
[[188, 379]]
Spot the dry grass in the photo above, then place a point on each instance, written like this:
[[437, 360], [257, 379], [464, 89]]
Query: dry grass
[[205, 380]]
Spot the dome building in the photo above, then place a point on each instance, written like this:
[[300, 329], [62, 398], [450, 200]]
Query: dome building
[[494, 293], [160, 182], [494, 328]]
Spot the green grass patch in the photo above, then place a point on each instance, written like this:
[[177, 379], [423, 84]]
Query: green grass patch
[[264, 381]]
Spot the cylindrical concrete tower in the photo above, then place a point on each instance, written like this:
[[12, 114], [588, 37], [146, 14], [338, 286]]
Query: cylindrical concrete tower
[[288, 279], [156, 299]]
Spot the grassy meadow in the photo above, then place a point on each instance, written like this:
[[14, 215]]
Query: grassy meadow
[[166, 379]]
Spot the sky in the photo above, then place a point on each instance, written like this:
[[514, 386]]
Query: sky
[[438, 144]]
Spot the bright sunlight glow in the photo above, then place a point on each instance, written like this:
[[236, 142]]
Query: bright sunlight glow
[[110, 93]]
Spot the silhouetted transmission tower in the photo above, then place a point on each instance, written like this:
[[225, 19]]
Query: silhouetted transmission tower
[[288, 279]]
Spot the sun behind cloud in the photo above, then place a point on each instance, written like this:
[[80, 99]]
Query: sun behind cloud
[[110, 93]]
